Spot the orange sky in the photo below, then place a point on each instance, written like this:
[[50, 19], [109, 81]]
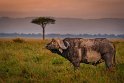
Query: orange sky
[[63, 8]]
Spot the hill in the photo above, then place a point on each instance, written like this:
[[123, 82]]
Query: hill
[[64, 26]]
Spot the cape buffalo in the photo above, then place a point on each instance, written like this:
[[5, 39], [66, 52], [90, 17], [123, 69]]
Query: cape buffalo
[[89, 51]]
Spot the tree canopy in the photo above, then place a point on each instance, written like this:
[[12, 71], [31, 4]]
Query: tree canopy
[[43, 21]]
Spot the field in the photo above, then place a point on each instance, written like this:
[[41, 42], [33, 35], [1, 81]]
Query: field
[[28, 61]]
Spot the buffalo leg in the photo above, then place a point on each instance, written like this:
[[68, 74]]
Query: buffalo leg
[[108, 61]]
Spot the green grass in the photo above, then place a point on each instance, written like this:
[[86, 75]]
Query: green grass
[[31, 62]]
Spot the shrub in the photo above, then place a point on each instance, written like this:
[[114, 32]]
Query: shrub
[[19, 40]]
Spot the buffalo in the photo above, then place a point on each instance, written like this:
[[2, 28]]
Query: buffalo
[[89, 51]]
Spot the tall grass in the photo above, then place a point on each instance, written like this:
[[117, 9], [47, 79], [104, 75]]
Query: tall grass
[[30, 61]]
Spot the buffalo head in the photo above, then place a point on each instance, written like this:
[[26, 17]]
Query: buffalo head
[[57, 45]]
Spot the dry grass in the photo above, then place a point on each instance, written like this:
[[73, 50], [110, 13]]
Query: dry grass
[[30, 61]]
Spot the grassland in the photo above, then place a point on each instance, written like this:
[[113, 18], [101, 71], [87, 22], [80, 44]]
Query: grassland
[[29, 61]]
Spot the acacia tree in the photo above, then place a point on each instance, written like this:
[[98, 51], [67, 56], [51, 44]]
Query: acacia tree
[[43, 21]]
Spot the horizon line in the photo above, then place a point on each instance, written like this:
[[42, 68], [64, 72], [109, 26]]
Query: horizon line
[[64, 33], [60, 17]]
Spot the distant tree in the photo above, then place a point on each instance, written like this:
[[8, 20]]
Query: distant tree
[[43, 21]]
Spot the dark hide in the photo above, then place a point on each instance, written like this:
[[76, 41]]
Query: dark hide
[[89, 51]]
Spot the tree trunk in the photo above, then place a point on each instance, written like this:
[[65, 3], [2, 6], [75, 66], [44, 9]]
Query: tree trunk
[[43, 27], [43, 33]]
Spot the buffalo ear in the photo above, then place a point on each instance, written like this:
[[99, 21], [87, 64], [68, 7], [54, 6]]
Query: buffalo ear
[[61, 44]]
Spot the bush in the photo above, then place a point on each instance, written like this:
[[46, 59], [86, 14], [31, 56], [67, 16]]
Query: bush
[[19, 40]]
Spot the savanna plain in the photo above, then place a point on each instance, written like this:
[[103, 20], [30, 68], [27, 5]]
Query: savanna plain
[[25, 60]]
